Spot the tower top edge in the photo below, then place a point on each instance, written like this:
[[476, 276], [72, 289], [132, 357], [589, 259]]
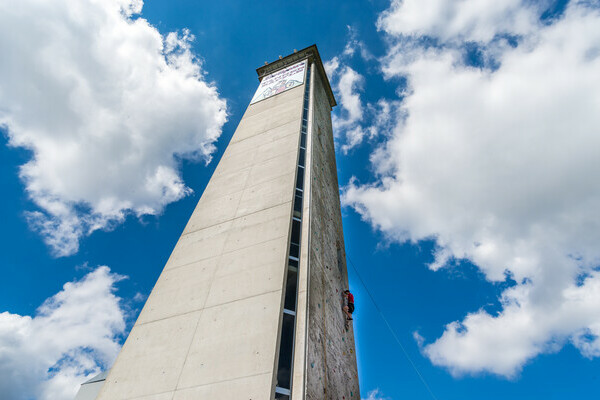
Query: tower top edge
[[312, 54]]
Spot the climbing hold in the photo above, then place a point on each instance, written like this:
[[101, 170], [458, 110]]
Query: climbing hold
[[312, 365], [343, 339], [319, 304]]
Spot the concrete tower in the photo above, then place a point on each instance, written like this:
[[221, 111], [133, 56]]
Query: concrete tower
[[249, 305]]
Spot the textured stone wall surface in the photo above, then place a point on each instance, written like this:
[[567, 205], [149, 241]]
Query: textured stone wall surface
[[331, 370]]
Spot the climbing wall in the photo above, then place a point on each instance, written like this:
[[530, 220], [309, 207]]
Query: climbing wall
[[331, 356]]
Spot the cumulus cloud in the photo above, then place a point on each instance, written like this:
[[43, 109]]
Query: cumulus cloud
[[354, 44], [74, 335], [348, 117], [349, 83], [375, 395], [500, 166], [355, 120], [107, 106], [331, 67], [465, 20]]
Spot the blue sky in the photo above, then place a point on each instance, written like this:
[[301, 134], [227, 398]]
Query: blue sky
[[467, 155]]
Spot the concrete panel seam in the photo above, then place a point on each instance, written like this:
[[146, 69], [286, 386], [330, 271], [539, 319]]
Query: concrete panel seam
[[235, 214], [148, 395], [232, 219], [267, 132], [268, 372], [228, 252], [236, 141], [209, 307]]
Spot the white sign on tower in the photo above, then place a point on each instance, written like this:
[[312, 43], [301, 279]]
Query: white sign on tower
[[280, 81]]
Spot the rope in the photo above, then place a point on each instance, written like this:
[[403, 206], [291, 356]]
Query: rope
[[392, 331]]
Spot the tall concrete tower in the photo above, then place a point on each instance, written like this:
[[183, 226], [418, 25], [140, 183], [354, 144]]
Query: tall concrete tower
[[249, 305]]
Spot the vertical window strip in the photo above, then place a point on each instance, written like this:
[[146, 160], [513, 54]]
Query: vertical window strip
[[288, 324]]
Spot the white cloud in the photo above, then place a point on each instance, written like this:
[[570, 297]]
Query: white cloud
[[376, 120], [107, 107], [353, 120], [331, 67], [354, 44], [465, 20], [500, 166], [531, 322], [375, 395], [349, 83], [348, 118], [73, 335], [354, 137]]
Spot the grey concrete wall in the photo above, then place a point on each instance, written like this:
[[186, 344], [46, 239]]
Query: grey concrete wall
[[210, 326], [89, 390], [331, 370]]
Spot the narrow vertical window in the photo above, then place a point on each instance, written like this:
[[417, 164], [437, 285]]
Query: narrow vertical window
[[288, 322], [300, 178]]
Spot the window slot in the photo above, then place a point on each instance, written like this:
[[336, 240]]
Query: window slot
[[291, 288], [301, 157], [300, 178], [298, 206], [294, 250], [286, 350]]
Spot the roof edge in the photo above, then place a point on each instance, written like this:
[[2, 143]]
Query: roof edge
[[312, 54]]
